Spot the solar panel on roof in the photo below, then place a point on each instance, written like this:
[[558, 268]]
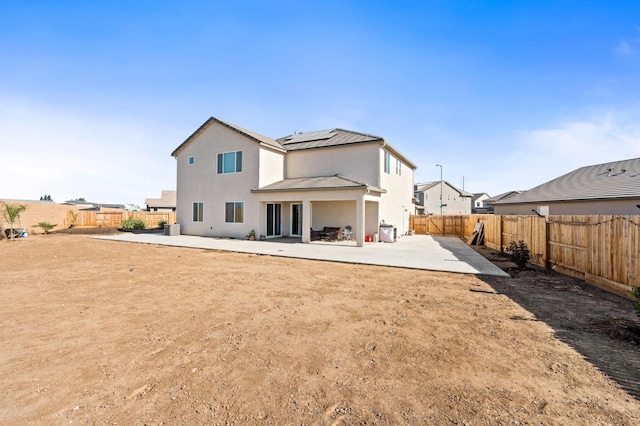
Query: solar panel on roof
[[311, 136]]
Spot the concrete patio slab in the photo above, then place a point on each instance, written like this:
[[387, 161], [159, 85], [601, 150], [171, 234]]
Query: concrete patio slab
[[434, 253]]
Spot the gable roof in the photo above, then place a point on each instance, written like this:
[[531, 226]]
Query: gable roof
[[300, 141], [477, 195], [316, 183], [264, 140], [502, 196], [325, 138], [336, 137], [613, 180], [421, 187]]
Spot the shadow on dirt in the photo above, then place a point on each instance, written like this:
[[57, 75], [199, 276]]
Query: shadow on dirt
[[601, 326]]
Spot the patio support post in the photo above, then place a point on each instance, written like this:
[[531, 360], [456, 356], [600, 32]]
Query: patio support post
[[306, 221], [360, 221]]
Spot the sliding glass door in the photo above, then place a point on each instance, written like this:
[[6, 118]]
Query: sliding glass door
[[274, 220], [296, 220]]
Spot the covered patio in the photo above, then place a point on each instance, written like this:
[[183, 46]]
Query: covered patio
[[295, 207]]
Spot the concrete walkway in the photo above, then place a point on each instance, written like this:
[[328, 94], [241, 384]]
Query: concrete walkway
[[434, 253]]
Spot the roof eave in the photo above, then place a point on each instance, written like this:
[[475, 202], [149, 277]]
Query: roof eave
[[397, 153], [211, 120], [563, 200], [322, 188], [192, 136]]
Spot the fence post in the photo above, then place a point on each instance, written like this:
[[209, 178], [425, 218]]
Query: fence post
[[547, 245], [500, 234]]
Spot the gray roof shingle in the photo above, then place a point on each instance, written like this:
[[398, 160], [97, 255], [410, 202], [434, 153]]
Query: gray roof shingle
[[336, 137], [617, 179], [300, 141], [325, 138], [503, 196], [316, 183], [428, 185], [250, 134]]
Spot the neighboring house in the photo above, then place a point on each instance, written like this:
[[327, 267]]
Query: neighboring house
[[488, 202], [166, 202], [231, 180], [602, 189], [455, 201], [477, 203], [81, 204]]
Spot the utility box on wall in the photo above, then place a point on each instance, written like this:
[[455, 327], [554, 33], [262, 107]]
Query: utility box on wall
[[172, 230]]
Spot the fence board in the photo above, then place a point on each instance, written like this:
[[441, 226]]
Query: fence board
[[114, 218], [602, 250]]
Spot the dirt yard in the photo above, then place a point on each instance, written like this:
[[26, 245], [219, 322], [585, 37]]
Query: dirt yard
[[106, 332]]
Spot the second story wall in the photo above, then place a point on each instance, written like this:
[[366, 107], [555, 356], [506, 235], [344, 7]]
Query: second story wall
[[271, 166], [396, 177], [357, 161], [454, 202], [198, 181]]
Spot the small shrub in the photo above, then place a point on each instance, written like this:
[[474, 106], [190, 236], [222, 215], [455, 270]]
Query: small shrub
[[133, 224], [46, 226], [636, 293], [161, 224], [519, 254], [74, 218]]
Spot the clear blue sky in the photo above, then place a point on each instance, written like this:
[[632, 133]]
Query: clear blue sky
[[95, 95]]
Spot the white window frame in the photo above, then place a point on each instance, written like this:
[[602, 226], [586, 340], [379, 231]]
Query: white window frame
[[387, 162], [234, 205], [237, 162], [198, 211]]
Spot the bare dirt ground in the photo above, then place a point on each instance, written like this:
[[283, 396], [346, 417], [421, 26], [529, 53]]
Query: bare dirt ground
[[104, 332]]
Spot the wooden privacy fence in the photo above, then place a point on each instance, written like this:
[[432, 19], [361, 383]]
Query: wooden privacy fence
[[442, 225], [602, 250], [114, 218]]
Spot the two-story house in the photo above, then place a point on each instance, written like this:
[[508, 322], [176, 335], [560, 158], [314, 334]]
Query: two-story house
[[454, 200], [231, 180]]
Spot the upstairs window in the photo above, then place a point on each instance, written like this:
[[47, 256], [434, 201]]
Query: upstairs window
[[230, 162], [398, 167], [190, 160], [387, 163]]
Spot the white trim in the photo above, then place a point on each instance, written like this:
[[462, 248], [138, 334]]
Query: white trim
[[291, 221]]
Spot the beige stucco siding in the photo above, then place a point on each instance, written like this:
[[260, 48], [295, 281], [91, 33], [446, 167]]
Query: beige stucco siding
[[397, 203], [327, 208], [271, 166], [362, 207], [200, 182], [455, 203], [351, 161], [372, 217], [333, 213]]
